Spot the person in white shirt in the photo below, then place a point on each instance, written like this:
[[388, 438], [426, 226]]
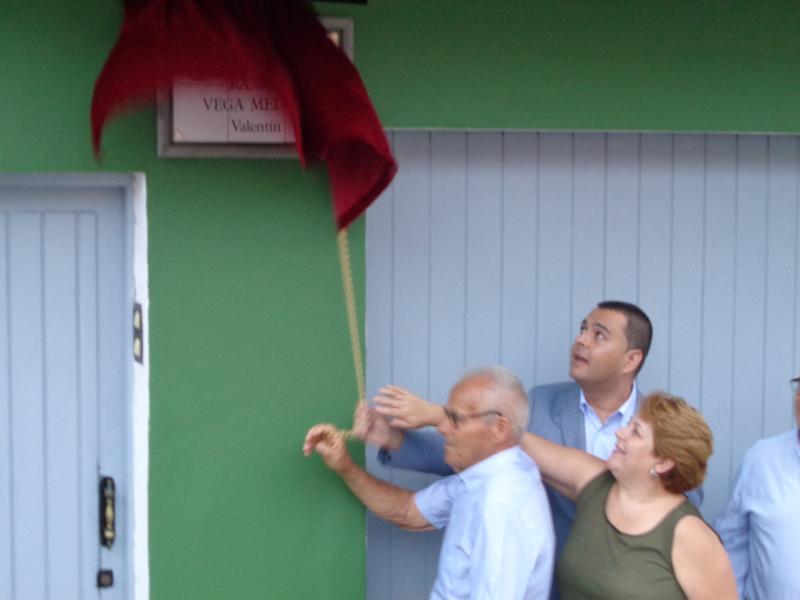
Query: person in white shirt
[[499, 540], [760, 526]]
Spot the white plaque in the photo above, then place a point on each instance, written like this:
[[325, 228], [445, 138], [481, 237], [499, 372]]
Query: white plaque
[[209, 112], [242, 119]]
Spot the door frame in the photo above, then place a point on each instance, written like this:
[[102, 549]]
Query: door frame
[[137, 374]]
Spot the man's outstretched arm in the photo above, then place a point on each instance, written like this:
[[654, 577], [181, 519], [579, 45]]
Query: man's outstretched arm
[[391, 424], [388, 501]]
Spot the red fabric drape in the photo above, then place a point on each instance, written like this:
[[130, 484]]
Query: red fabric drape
[[277, 43]]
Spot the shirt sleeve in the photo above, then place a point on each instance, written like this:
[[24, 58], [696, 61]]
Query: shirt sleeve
[[506, 552], [421, 451], [733, 526], [436, 501]]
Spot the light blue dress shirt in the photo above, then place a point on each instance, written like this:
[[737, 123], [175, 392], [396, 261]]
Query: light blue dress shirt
[[600, 437], [499, 541], [760, 527]]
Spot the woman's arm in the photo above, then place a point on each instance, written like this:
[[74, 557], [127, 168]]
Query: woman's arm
[[566, 469], [700, 562]]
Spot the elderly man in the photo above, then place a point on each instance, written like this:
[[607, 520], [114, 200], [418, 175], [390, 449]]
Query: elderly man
[[760, 527], [499, 540]]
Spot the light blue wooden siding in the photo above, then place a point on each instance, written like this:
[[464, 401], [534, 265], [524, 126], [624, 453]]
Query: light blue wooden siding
[[491, 247]]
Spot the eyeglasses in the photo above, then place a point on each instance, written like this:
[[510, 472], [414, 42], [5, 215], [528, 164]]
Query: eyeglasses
[[795, 383], [456, 418]]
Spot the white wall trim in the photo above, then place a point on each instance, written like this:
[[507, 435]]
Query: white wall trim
[[140, 415]]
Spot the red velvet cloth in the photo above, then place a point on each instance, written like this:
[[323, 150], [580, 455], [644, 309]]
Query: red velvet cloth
[[276, 43]]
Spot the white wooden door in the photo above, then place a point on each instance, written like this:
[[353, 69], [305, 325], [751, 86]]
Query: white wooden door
[[64, 338]]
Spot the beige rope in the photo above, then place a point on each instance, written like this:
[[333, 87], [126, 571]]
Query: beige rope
[[352, 318]]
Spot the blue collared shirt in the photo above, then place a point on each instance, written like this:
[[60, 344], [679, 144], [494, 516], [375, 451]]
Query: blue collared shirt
[[760, 527], [499, 541], [600, 438]]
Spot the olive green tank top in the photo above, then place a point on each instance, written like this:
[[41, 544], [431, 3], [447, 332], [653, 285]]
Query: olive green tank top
[[600, 562]]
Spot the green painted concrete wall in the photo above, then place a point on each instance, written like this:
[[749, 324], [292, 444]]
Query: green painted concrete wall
[[677, 65], [248, 335], [249, 342]]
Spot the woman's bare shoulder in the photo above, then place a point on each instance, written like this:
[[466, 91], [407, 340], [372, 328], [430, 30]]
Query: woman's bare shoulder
[[701, 564]]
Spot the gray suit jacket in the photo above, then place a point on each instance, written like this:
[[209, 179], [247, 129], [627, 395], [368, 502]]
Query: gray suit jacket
[[556, 416]]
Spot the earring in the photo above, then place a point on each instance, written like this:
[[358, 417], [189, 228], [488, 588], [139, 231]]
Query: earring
[[653, 472]]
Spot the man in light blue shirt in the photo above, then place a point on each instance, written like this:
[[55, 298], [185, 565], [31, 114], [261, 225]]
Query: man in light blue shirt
[[760, 527], [499, 540]]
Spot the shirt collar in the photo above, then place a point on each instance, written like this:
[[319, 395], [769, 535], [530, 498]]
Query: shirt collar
[[626, 411], [473, 477]]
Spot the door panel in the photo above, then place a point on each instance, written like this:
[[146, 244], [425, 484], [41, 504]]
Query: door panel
[[27, 409]]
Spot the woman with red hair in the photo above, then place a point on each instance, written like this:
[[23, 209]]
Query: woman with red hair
[[635, 534]]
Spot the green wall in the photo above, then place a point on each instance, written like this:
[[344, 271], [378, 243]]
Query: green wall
[[678, 65], [248, 336]]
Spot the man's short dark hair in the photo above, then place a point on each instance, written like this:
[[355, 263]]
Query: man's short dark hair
[[639, 331]]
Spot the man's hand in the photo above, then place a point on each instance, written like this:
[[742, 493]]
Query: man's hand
[[329, 446], [406, 410], [375, 429], [384, 499]]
